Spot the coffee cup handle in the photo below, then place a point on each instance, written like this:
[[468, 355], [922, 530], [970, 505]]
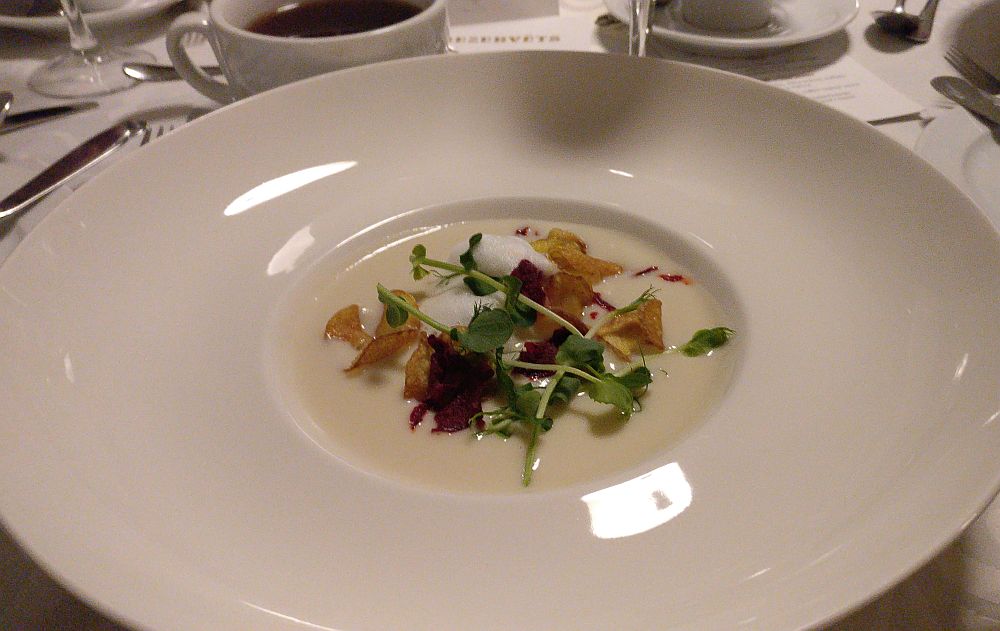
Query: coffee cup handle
[[199, 80]]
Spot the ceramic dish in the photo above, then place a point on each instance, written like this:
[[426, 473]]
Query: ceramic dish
[[156, 458], [130, 11], [968, 154], [792, 22]]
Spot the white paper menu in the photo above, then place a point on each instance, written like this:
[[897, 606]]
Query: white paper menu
[[812, 71], [480, 11]]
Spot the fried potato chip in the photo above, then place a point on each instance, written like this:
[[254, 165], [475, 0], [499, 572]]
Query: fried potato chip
[[640, 329], [568, 293], [411, 322], [418, 370], [346, 325], [384, 346], [557, 237], [569, 259]]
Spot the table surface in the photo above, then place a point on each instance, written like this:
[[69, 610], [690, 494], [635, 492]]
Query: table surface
[[958, 589]]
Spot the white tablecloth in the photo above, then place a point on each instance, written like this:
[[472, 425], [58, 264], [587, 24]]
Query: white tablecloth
[[958, 589]]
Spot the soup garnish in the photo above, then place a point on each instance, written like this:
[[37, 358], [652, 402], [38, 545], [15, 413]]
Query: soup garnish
[[524, 347]]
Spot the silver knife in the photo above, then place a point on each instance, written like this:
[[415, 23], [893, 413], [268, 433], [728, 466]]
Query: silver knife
[[969, 96], [87, 154], [20, 120]]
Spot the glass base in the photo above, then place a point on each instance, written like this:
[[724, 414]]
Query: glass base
[[86, 73]]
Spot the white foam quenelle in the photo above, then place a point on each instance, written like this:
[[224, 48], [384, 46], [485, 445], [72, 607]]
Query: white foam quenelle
[[497, 255]]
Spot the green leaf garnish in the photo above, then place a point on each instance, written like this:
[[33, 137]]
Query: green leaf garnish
[[489, 329], [612, 392], [635, 379], [705, 341], [581, 352], [467, 260], [521, 314], [565, 390], [527, 401], [417, 257]]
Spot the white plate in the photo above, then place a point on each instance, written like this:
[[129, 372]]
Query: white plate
[[965, 151], [792, 22], [148, 458], [132, 10]]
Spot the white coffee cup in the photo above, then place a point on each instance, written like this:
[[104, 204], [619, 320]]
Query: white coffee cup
[[727, 15], [253, 63]]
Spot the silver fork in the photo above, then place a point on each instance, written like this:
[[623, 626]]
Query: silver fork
[[971, 70], [156, 131]]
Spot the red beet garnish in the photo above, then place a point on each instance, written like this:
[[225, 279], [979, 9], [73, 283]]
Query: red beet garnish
[[456, 386], [417, 415], [673, 278], [531, 280], [537, 353], [598, 300], [523, 231], [651, 268], [455, 415]]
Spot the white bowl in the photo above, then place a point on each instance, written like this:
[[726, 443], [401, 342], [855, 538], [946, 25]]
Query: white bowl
[[151, 458]]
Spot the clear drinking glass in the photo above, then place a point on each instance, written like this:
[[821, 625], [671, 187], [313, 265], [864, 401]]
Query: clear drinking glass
[[638, 25], [90, 69]]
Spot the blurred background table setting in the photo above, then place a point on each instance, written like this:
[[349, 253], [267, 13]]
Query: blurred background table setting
[[831, 51]]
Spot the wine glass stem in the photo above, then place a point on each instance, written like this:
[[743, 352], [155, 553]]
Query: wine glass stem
[[80, 37], [638, 25]]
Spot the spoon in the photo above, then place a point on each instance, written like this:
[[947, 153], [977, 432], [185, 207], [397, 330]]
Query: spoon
[[158, 72], [5, 99], [896, 21], [924, 23]]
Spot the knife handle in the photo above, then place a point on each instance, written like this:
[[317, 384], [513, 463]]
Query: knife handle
[[87, 154]]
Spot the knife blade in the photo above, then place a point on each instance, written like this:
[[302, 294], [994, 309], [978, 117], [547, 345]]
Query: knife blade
[[5, 100], [87, 154], [968, 96], [29, 118]]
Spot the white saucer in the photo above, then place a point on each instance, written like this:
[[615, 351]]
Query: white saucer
[[963, 149], [131, 10], [792, 22]]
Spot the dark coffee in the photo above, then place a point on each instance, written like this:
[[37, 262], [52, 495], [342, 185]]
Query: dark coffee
[[324, 18]]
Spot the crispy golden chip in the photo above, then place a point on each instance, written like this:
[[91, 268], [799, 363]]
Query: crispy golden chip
[[568, 293], [569, 259], [640, 329], [411, 322], [418, 370], [346, 325], [557, 237], [384, 346]]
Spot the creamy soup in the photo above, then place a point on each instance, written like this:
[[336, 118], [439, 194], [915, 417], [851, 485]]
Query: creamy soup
[[362, 417]]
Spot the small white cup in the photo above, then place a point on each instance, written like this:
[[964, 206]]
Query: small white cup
[[253, 63], [727, 15]]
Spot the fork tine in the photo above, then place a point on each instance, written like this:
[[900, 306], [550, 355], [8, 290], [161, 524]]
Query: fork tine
[[971, 70], [147, 135]]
